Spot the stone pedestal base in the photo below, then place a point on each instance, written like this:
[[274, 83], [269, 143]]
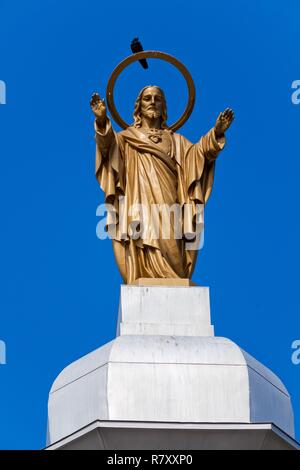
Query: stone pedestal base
[[166, 371], [161, 310]]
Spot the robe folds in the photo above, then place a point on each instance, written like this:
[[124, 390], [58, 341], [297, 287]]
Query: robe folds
[[134, 172]]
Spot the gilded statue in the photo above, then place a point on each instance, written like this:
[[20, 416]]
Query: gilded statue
[[149, 164]]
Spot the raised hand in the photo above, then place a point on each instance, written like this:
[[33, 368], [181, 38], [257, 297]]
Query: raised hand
[[99, 109], [223, 122]]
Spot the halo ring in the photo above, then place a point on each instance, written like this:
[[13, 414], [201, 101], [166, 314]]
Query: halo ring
[[151, 55]]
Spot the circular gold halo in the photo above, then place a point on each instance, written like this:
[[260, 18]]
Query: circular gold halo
[[151, 55]]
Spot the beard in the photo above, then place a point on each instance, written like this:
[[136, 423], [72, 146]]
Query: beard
[[152, 114]]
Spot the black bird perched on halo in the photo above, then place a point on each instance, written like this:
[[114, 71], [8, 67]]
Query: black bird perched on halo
[[136, 46]]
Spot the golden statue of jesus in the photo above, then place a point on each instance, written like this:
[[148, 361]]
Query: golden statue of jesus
[[149, 165]]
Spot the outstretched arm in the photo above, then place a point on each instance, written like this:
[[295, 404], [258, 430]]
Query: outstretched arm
[[214, 141], [109, 166], [200, 159], [103, 128]]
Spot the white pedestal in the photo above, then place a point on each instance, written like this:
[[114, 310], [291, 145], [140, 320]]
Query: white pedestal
[[161, 310], [166, 371]]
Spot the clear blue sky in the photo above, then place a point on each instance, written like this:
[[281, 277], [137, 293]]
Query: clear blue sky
[[59, 284]]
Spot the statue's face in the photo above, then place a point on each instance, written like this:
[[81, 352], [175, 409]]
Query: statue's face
[[152, 103]]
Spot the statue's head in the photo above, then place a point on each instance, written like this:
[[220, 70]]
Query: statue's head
[[150, 103]]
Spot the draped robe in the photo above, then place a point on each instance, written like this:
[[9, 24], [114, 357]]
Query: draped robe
[[144, 172]]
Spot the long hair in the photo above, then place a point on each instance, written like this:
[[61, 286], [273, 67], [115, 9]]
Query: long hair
[[137, 108]]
